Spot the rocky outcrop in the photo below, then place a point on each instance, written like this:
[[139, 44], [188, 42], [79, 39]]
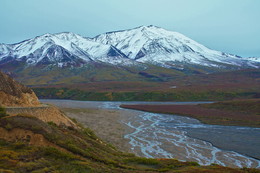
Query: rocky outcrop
[[21, 100], [14, 94]]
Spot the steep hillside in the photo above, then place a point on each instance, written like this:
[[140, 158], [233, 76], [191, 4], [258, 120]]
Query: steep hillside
[[30, 145], [15, 94]]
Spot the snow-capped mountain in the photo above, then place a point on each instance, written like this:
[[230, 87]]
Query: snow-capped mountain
[[151, 44], [138, 46], [4, 49], [63, 49], [256, 59]]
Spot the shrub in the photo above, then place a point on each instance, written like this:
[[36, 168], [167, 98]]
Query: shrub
[[8, 126], [19, 145], [74, 120], [145, 161], [3, 112], [6, 171], [89, 133], [57, 154], [51, 123]]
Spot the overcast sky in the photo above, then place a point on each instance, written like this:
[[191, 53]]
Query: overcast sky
[[231, 26]]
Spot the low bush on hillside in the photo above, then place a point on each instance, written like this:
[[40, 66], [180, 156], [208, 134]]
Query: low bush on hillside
[[3, 112]]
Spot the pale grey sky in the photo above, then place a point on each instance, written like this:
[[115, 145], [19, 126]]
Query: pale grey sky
[[231, 26]]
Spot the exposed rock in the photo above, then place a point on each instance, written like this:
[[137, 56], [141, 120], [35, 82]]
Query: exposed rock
[[21, 100], [14, 94]]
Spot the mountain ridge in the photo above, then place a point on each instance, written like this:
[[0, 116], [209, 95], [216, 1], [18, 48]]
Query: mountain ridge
[[152, 44], [145, 44]]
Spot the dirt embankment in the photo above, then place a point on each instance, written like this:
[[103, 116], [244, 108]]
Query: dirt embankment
[[44, 113]]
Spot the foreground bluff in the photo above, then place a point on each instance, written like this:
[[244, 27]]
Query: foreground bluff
[[14, 94]]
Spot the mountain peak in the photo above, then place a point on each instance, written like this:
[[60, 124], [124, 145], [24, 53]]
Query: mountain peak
[[45, 35], [62, 35], [158, 46], [148, 26], [67, 34], [134, 42]]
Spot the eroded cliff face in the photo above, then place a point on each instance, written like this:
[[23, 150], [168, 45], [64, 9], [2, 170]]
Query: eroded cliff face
[[14, 94]]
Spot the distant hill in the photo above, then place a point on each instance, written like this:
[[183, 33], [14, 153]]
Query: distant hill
[[239, 84]]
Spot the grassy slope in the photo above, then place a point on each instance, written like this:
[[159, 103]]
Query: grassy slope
[[96, 72], [238, 112], [220, 86], [81, 151]]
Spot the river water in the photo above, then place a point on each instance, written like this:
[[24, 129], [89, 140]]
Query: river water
[[171, 136]]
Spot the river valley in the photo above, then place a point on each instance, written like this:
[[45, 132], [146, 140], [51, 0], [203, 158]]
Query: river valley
[[156, 135]]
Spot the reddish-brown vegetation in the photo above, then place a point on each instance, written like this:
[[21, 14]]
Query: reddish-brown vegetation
[[204, 114]]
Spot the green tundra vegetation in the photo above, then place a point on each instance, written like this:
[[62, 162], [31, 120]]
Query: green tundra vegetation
[[80, 150], [179, 95], [199, 87], [3, 112]]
